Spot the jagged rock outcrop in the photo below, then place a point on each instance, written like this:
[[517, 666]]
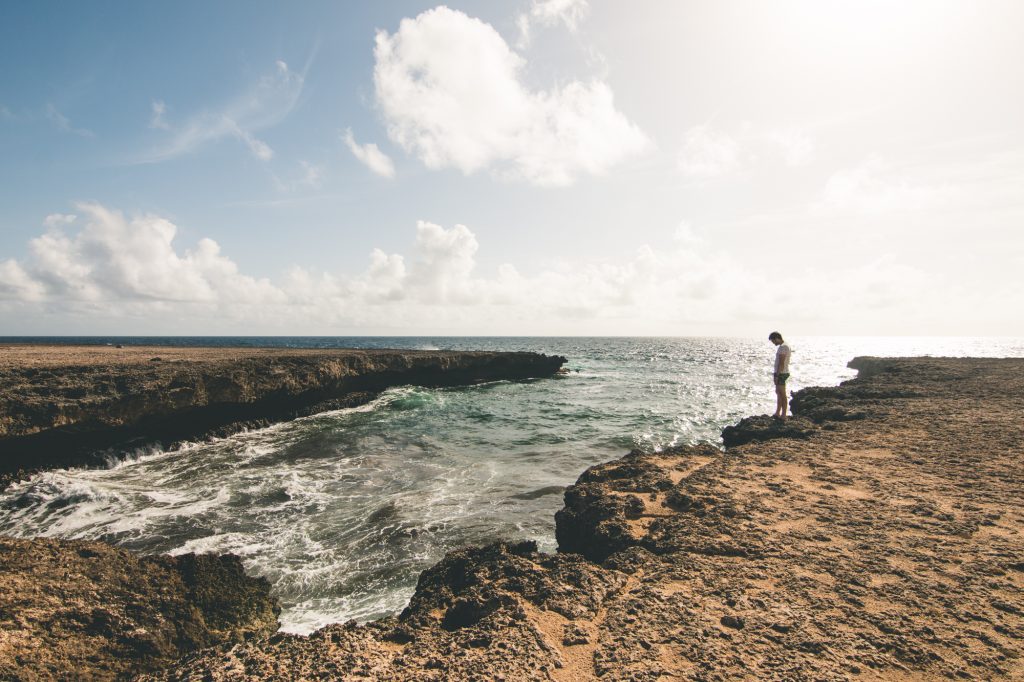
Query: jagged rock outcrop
[[65, 405], [86, 610]]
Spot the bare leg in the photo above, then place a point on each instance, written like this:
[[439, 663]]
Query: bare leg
[[781, 402]]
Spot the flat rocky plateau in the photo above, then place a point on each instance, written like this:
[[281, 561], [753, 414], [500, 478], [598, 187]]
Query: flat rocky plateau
[[875, 535], [74, 405]]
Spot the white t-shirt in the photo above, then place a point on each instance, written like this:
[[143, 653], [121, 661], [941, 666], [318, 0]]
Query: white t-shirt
[[782, 359]]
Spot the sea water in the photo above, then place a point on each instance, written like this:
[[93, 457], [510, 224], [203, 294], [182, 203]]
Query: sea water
[[340, 511]]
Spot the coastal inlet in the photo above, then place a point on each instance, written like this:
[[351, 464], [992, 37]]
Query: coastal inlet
[[341, 510]]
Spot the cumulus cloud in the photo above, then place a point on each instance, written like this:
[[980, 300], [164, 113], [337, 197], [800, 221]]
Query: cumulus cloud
[[119, 267], [17, 284], [445, 262], [265, 104], [370, 156], [707, 152], [114, 258], [450, 90]]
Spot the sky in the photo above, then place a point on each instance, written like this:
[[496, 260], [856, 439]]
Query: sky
[[536, 167]]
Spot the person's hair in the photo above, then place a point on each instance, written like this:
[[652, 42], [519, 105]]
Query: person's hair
[[772, 336]]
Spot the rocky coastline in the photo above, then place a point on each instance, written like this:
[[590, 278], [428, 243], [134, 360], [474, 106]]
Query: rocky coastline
[[877, 534], [75, 405]]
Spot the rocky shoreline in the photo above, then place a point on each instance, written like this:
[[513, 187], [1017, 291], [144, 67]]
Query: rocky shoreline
[[74, 405], [875, 535]]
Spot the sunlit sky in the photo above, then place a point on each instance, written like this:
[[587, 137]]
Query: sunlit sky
[[536, 167]]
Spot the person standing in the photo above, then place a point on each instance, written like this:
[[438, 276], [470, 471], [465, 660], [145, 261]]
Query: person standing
[[781, 375]]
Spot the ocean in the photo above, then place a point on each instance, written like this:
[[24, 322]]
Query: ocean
[[341, 511]]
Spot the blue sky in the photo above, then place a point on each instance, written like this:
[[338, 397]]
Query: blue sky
[[546, 166]]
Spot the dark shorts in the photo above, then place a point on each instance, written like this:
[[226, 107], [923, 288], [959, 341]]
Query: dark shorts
[[780, 379]]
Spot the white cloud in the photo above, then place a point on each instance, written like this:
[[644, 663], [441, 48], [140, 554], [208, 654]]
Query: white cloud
[[450, 90], [55, 220], [64, 124], [523, 24], [264, 105], [548, 13], [370, 156], [708, 153], [113, 259], [17, 284], [444, 264], [119, 267], [569, 12], [260, 149]]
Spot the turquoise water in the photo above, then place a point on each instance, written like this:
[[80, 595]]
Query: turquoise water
[[342, 510]]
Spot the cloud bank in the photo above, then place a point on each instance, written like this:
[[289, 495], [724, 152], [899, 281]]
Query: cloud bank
[[451, 92], [129, 270]]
